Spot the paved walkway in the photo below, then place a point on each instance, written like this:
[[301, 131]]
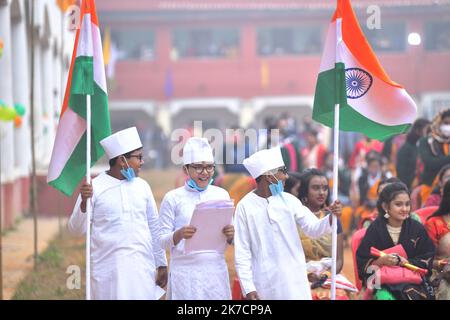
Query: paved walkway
[[18, 250]]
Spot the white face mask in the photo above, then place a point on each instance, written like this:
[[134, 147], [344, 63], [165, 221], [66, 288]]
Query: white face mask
[[445, 129]]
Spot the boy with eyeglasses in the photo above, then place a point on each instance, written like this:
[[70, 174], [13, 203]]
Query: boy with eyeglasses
[[200, 275], [126, 258], [269, 257]]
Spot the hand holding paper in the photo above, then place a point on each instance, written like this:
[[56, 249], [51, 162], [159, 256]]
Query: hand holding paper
[[185, 232], [212, 220]]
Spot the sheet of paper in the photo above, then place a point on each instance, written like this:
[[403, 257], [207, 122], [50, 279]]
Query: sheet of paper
[[215, 204], [159, 292], [209, 223]]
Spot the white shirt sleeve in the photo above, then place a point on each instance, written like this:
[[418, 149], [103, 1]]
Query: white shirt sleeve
[[310, 224], [167, 221], [155, 230], [77, 221], [243, 251]]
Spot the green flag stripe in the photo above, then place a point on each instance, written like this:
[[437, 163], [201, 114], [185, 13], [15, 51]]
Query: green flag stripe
[[83, 76], [101, 125]]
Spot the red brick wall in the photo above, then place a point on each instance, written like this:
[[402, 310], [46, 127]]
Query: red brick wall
[[417, 70], [12, 206], [52, 202], [16, 200]]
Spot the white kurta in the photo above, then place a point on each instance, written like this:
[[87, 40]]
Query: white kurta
[[125, 249], [201, 275], [269, 256]]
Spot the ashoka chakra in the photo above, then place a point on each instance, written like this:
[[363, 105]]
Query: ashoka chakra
[[357, 82]]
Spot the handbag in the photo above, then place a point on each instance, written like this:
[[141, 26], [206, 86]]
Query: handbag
[[397, 274]]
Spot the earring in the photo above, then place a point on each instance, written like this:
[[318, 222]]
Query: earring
[[386, 215]]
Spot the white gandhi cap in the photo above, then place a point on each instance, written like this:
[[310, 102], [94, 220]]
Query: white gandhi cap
[[263, 161], [197, 150], [121, 142]]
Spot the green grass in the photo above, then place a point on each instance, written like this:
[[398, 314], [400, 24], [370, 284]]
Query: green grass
[[52, 257], [48, 280]]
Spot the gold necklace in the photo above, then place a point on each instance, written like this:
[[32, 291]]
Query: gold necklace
[[319, 214]]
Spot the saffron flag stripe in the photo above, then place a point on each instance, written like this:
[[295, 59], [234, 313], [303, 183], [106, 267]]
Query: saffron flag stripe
[[350, 75]]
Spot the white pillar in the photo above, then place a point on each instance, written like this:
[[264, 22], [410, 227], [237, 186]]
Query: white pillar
[[7, 129], [58, 81], [247, 114], [37, 83], [47, 100], [21, 90], [163, 118], [57, 97]]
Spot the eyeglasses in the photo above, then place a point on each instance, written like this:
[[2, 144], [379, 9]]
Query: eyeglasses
[[283, 169], [139, 156], [199, 169]]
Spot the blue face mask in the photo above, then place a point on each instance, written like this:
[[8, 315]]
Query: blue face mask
[[192, 184], [276, 188], [128, 173]]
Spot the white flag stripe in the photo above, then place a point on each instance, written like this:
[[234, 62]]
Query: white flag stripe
[[383, 103], [329, 51], [70, 130], [99, 66], [84, 48]]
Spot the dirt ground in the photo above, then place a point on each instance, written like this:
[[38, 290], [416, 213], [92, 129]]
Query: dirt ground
[[18, 250]]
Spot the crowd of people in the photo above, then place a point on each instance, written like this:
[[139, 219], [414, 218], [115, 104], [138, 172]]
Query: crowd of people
[[393, 207]]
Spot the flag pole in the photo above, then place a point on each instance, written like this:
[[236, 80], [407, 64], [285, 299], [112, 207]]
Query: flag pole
[[335, 196], [88, 204], [336, 158]]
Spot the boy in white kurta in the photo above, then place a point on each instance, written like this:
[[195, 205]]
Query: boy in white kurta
[[126, 257], [201, 275], [269, 256]]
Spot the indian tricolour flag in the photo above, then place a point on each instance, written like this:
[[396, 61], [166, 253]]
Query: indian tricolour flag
[[351, 76], [86, 77]]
